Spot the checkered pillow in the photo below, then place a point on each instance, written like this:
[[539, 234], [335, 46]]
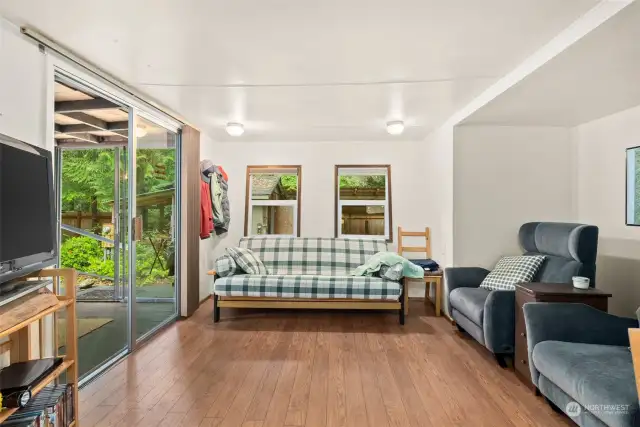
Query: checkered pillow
[[225, 266], [511, 270], [247, 260]]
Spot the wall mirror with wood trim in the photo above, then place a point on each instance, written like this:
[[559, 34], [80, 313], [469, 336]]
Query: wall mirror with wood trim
[[363, 201], [272, 200]]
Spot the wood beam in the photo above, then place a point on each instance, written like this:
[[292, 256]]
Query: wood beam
[[73, 129], [88, 120], [76, 143], [83, 105], [118, 125], [87, 137]]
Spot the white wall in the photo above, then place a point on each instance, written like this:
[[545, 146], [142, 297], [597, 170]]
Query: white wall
[[504, 177], [601, 177], [439, 165], [411, 191], [22, 87]]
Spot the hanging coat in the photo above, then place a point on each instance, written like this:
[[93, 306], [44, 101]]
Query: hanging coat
[[206, 219], [221, 176], [216, 200]]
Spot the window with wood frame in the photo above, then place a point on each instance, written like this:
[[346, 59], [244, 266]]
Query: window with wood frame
[[272, 203], [363, 201]]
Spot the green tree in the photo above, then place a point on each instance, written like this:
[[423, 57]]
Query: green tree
[[362, 181]]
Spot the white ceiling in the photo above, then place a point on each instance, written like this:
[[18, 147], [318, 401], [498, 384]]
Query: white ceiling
[[304, 70], [597, 76]]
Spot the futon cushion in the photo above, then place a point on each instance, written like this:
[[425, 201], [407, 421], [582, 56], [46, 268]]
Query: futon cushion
[[470, 302], [225, 266], [308, 286], [594, 376], [511, 270], [247, 261], [315, 256]]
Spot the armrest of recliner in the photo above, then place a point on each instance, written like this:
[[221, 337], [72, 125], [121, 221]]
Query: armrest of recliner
[[462, 277], [570, 322], [499, 322]]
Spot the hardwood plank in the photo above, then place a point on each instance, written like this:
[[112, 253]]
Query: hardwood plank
[[317, 408], [336, 403], [376, 414], [260, 403], [396, 412], [354, 394], [238, 409], [297, 411], [237, 375], [277, 412]]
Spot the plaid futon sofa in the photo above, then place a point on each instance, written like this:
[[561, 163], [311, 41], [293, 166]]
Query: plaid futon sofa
[[310, 268]]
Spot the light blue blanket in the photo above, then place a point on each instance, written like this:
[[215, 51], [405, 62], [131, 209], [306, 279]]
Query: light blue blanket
[[374, 263]]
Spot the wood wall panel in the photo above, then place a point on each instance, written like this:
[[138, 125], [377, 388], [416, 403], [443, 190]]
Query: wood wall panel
[[190, 238]]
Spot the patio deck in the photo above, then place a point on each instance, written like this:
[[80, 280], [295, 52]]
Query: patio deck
[[102, 343]]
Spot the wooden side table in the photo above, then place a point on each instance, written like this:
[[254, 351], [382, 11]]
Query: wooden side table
[[547, 292], [430, 278]]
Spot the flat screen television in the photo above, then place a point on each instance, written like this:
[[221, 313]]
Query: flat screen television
[[27, 209]]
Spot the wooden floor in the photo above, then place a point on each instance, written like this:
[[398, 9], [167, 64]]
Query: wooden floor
[[291, 368]]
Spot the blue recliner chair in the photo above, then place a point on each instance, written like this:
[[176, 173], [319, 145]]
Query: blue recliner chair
[[489, 316]]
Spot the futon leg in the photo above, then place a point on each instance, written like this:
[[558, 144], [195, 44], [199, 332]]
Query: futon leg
[[401, 311], [216, 309]]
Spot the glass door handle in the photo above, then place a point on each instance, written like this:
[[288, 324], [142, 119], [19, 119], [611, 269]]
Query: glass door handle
[[136, 228]]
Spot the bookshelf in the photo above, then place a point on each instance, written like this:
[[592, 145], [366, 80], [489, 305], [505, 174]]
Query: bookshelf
[[20, 336]]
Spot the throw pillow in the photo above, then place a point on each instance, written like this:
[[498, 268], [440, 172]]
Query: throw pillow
[[512, 270], [248, 261], [391, 273], [225, 266]]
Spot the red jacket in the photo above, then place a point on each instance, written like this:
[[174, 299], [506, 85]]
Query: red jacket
[[206, 214]]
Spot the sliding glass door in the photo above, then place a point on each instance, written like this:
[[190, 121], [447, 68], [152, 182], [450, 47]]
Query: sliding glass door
[[117, 174], [153, 155]]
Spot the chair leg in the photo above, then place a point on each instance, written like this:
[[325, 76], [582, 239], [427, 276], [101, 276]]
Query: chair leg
[[216, 309], [438, 297], [501, 359]]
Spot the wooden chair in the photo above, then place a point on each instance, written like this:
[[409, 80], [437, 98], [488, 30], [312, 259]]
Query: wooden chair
[[430, 278]]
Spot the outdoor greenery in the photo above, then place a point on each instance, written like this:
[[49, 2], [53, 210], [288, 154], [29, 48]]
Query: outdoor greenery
[[362, 181], [88, 180], [290, 182], [88, 175]]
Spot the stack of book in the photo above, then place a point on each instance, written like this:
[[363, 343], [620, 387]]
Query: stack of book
[[52, 407]]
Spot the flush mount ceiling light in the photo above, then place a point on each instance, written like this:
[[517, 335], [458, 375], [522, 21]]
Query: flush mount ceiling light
[[141, 131], [235, 129], [395, 127]]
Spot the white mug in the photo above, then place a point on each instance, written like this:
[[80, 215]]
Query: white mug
[[581, 282]]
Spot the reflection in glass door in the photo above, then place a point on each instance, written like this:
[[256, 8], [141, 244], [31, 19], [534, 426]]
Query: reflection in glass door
[[153, 227]]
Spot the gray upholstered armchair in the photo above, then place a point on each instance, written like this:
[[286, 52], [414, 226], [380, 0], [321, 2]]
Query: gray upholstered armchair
[[580, 354], [489, 316]]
